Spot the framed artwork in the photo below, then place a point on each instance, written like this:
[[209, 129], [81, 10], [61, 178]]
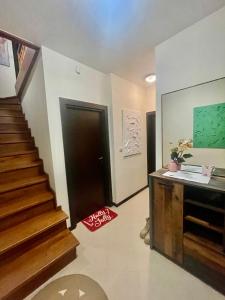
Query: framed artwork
[[209, 126], [131, 132], [4, 52]]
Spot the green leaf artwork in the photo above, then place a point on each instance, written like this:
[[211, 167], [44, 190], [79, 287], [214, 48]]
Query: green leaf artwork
[[209, 126]]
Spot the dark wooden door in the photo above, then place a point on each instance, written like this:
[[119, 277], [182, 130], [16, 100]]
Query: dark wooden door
[[85, 158], [151, 127], [168, 218]]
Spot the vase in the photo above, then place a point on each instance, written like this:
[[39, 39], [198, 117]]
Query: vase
[[173, 166]]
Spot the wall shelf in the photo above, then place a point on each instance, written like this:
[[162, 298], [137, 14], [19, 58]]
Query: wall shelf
[[204, 242], [205, 224], [207, 206]]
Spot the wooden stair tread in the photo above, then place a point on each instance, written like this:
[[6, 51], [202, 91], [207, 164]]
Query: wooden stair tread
[[32, 263], [11, 100], [16, 116], [17, 141], [14, 167], [13, 131], [10, 107], [8, 110], [22, 183], [16, 235], [13, 123], [18, 153], [17, 130], [12, 207]]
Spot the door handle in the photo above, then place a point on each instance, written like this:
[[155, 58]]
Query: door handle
[[100, 158]]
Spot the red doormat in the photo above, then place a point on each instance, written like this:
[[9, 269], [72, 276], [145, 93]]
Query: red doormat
[[99, 218]]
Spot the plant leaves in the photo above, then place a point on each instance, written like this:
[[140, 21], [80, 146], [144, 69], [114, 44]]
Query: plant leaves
[[174, 155], [180, 160]]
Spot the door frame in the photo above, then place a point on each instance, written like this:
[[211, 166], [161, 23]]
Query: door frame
[[150, 113], [80, 105]]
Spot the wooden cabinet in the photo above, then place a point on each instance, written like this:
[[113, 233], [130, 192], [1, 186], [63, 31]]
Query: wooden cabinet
[[168, 218], [188, 225]]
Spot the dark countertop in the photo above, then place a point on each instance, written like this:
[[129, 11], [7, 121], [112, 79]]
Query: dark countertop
[[216, 183]]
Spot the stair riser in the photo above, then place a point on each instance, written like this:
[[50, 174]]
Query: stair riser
[[10, 137], [7, 177], [17, 160], [11, 106], [13, 253], [28, 191], [8, 112], [27, 214], [12, 126], [9, 101], [9, 148], [11, 119]]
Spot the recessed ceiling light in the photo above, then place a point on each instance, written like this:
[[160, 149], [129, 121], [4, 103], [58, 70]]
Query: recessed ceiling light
[[150, 78]]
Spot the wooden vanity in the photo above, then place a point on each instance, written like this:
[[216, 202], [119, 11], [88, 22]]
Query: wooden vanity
[[188, 225]]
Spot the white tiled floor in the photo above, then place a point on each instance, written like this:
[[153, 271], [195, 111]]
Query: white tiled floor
[[126, 268]]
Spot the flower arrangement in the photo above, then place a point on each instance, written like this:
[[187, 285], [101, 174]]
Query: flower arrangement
[[177, 153]]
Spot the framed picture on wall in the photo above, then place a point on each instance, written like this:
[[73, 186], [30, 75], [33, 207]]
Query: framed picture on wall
[[4, 52], [131, 132]]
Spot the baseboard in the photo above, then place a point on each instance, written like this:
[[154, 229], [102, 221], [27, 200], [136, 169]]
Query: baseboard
[[129, 197]]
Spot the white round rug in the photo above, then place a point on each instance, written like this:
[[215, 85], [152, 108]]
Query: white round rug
[[72, 287]]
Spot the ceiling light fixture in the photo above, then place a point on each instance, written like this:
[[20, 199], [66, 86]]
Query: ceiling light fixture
[[150, 78]]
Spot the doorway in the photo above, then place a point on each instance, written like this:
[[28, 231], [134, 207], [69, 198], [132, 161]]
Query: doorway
[[151, 143], [87, 157]]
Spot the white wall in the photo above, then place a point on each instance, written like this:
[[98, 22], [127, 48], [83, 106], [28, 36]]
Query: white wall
[[193, 56], [54, 77], [8, 76], [35, 109], [61, 80], [130, 173]]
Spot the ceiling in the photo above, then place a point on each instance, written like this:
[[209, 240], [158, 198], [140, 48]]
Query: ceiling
[[113, 36]]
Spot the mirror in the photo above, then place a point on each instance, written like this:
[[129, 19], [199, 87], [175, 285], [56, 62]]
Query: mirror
[[178, 120]]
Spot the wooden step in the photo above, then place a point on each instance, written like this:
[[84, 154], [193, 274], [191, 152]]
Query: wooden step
[[13, 126], [12, 119], [14, 137], [16, 235], [17, 160], [12, 173], [15, 153], [9, 100], [9, 112], [15, 206], [38, 187], [7, 149], [28, 213], [22, 183], [25, 273], [10, 106], [16, 141]]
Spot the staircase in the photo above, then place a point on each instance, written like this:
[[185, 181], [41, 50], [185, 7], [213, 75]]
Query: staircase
[[34, 240]]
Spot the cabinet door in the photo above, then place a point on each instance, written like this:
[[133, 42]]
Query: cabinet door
[[168, 218]]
